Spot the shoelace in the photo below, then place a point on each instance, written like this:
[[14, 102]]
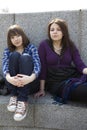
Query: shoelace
[[12, 100], [20, 107]]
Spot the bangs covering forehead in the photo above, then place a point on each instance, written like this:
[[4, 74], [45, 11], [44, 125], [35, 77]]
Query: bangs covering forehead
[[14, 32]]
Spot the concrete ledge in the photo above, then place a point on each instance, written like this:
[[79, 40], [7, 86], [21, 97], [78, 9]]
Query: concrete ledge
[[21, 128], [43, 115]]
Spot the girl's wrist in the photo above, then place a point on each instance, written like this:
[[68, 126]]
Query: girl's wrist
[[42, 89], [85, 71], [32, 77], [7, 76]]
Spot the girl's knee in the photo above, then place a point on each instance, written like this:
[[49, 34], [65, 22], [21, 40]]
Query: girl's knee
[[14, 55], [26, 58]]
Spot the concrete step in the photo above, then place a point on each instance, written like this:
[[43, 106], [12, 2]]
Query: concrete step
[[22, 128], [44, 115]]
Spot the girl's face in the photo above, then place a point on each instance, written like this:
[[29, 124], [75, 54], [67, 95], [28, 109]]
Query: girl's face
[[17, 40], [55, 32]]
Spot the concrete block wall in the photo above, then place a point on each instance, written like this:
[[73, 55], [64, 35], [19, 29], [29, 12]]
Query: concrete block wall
[[35, 26]]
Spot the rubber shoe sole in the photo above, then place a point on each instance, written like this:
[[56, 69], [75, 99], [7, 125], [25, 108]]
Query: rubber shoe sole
[[18, 117], [11, 108]]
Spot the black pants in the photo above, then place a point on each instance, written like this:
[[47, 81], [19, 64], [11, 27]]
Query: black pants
[[77, 94], [22, 64]]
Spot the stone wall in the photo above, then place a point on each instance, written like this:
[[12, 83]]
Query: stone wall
[[35, 26]]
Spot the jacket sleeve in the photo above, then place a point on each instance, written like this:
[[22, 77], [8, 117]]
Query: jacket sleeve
[[42, 54], [5, 62], [36, 60]]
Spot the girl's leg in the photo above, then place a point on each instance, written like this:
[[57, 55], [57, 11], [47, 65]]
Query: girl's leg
[[55, 88], [14, 63], [13, 69], [79, 93], [25, 64], [28, 90], [34, 87], [25, 67]]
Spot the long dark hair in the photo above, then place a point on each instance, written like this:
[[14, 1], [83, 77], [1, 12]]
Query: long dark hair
[[66, 41], [13, 31]]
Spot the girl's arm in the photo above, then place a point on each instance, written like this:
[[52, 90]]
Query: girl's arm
[[5, 62], [78, 61], [41, 92], [36, 60]]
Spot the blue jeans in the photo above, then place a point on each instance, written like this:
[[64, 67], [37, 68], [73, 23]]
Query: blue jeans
[[21, 64]]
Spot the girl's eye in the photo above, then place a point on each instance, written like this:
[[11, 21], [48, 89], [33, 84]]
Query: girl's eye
[[55, 29], [12, 37], [52, 29], [59, 29]]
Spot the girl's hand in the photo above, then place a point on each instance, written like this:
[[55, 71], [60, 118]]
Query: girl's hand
[[39, 94], [20, 79], [13, 80], [24, 79]]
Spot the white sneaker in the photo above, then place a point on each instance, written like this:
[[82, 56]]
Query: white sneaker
[[12, 104], [21, 111]]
